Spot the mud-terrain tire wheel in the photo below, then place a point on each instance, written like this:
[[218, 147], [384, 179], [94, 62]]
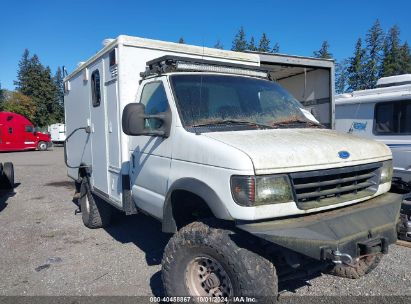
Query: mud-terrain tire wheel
[[95, 212], [357, 270], [8, 173], [203, 260], [42, 146]]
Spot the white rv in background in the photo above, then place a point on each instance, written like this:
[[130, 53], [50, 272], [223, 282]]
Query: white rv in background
[[57, 133], [383, 114]]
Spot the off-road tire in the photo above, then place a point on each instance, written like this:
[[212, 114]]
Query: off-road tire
[[250, 274], [8, 173], [357, 270], [95, 212], [42, 146]]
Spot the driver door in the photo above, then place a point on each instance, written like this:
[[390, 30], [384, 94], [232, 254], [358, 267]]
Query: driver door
[[151, 155]]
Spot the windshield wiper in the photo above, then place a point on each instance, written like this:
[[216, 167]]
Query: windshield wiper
[[232, 122], [294, 122]]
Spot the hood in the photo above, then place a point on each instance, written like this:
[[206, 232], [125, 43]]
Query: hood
[[292, 150]]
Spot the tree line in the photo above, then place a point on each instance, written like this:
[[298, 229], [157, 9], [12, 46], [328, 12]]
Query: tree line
[[241, 44], [377, 55], [39, 95]]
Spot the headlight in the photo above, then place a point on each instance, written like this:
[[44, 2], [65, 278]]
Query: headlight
[[261, 190], [386, 172]]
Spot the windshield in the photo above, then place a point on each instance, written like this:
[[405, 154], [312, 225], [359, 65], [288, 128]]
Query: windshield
[[226, 102]]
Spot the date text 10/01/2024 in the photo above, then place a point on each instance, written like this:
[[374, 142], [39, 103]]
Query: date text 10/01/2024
[[202, 299]]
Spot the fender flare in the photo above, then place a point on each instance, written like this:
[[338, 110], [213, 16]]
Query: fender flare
[[198, 188]]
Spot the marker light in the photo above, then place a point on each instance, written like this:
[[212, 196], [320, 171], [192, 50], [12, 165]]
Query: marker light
[[386, 172]]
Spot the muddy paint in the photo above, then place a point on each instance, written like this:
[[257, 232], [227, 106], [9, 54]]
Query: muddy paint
[[294, 150]]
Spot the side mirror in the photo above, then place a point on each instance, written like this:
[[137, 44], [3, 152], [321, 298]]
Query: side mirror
[[35, 133], [134, 121]]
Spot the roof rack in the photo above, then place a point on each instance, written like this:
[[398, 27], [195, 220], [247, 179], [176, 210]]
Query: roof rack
[[168, 63]]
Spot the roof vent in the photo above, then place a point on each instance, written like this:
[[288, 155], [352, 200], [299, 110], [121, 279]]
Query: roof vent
[[392, 81], [107, 41]]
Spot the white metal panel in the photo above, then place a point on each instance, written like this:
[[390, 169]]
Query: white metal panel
[[167, 47], [312, 89], [150, 165], [113, 129], [98, 134], [380, 94], [77, 114]]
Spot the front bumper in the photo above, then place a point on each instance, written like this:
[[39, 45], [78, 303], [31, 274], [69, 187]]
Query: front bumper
[[363, 228]]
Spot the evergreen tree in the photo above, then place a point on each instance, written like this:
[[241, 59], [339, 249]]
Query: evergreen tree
[[23, 72], [2, 92], [405, 57], [391, 63], [264, 45], [35, 81], [356, 68], [239, 42], [218, 45], [59, 103], [374, 46], [341, 77], [276, 48], [323, 52], [181, 40], [251, 45]]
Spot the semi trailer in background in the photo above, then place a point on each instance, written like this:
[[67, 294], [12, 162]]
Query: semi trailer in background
[[57, 133], [17, 133]]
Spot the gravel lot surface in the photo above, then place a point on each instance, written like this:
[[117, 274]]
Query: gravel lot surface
[[46, 250]]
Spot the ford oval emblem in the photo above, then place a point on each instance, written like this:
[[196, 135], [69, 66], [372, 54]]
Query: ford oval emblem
[[344, 154]]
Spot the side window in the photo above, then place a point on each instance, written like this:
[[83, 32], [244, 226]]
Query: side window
[[405, 119], [155, 99], [29, 129], [112, 58], [95, 88], [384, 118], [393, 118]]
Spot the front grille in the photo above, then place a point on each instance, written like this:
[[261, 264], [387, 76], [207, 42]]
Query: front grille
[[320, 188]]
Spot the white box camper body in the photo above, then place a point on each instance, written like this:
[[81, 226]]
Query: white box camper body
[[205, 141], [371, 113], [120, 62], [107, 150]]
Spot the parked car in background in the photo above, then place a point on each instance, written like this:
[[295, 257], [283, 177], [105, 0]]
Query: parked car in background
[[17, 133], [57, 133]]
